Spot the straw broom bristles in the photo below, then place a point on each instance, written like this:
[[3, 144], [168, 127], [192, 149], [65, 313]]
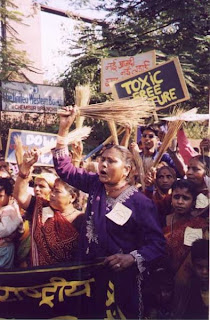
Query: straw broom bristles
[[74, 136], [132, 111], [82, 99], [169, 136]]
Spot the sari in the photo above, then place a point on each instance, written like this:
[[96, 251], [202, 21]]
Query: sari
[[53, 241], [174, 235]]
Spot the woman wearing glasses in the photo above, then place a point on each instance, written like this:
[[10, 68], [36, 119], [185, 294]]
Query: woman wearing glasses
[[121, 223]]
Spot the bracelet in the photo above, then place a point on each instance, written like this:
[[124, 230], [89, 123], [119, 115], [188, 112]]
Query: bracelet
[[62, 140], [22, 175]]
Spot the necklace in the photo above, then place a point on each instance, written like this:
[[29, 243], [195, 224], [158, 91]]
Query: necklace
[[115, 189]]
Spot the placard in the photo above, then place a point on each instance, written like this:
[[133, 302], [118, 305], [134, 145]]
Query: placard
[[164, 84], [25, 97], [30, 139], [116, 68]]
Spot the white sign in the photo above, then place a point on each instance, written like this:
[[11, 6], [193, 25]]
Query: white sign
[[114, 69], [119, 214], [25, 97]]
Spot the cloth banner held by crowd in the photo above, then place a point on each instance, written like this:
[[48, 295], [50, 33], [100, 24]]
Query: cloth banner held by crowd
[[76, 291]]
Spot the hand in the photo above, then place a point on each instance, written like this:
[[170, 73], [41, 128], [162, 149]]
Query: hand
[[29, 158], [150, 177], [119, 261], [205, 145], [67, 116], [134, 146]]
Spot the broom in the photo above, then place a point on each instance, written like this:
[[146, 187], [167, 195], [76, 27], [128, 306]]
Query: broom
[[74, 136], [82, 99], [173, 128], [120, 111]]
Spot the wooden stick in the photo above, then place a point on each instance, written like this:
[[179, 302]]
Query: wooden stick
[[113, 130]]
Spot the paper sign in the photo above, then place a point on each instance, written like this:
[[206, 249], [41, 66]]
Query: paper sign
[[191, 235], [119, 214], [201, 201], [47, 212], [116, 68]]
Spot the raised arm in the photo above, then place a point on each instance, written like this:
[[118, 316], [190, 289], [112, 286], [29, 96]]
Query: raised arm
[[21, 193]]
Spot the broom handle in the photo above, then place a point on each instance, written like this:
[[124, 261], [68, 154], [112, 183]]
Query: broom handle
[[98, 148]]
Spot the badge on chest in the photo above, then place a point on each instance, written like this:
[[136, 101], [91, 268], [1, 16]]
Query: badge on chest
[[119, 214]]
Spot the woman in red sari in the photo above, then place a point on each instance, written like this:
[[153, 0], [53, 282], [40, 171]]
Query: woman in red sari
[[55, 223], [176, 232], [55, 227]]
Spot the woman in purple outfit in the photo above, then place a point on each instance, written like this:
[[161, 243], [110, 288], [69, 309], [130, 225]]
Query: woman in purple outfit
[[121, 223]]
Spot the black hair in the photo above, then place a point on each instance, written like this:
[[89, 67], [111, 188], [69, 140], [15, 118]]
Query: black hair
[[204, 160], [200, 249], [185, 184], [7, 184], [171, 170], [151, 128]]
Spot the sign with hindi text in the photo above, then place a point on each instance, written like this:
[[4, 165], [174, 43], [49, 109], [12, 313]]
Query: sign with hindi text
[[116, 68], [25, 97], [163, 84], [30, 139]]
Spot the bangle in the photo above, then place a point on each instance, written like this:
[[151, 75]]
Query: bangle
[[22, 175], [62, 140]]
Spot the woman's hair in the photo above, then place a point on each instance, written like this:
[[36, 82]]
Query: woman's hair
[[204, 160], [128, 159], [71, 190], [171, 170], [185, 184]]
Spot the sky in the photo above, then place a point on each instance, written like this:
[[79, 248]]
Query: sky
[[55, 32]]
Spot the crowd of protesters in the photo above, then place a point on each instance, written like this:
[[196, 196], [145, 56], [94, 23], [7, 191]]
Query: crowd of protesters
[[155, 241]]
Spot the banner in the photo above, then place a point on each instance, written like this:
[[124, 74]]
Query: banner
[[25, 97], [67, 292], [164, 84], [30, 139], [114, 69]]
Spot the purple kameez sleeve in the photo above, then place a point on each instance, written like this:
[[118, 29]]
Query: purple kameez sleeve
[[76, 177], [154, 242]]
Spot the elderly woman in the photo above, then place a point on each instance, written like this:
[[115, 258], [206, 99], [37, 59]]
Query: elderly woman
[[121, 223], [55, 222]]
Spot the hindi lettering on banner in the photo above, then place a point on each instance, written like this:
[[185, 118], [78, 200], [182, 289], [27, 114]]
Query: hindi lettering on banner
[[73, 291], [30, 139], [19, 96], [163, 84], [114, 69]]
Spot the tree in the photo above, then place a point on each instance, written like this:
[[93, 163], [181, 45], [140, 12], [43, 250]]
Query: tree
[[172, 28], [13, 62]]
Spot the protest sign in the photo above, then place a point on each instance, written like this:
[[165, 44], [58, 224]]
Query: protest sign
[[30, 139], [25, 97], [164, 84], [64, 291], [116, 68]]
